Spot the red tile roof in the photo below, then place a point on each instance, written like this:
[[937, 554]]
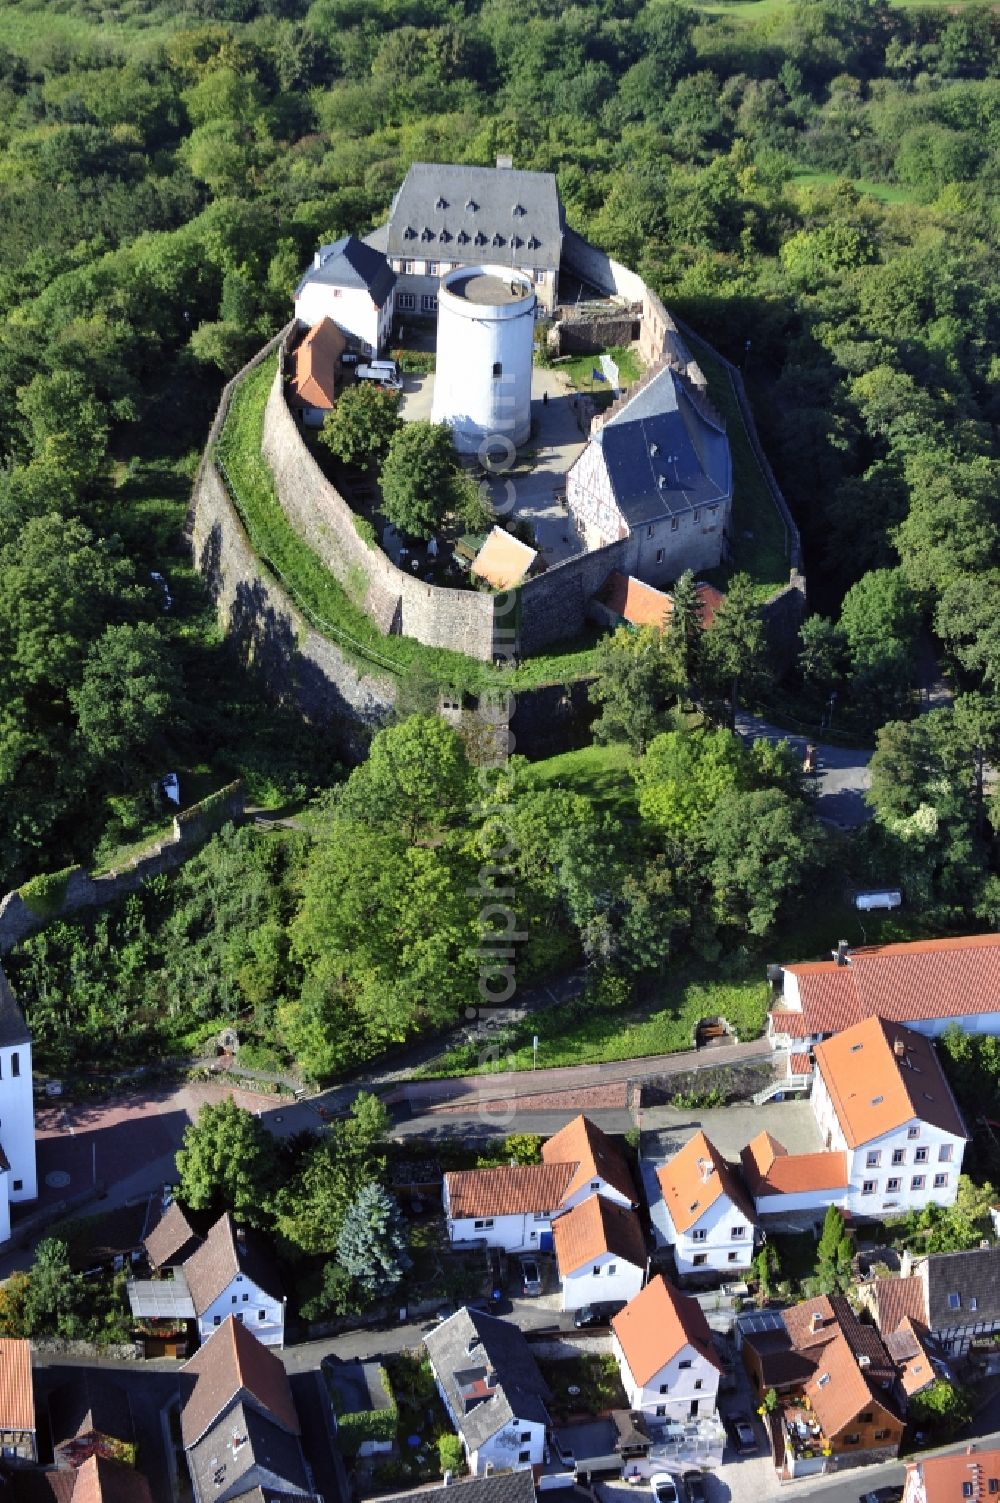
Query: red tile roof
[[634, 601], [944, 1479], [800, 1064], [596, 1227], [769, 1169], [508, 1190], [880, 1076], [907, 1348], [897, 1300], [657, 1324], [103, 1481], [233, 1362], [695, 1178], [788, 1020], [314, 363], [592, 1150], [17, 1397], [925, 979]]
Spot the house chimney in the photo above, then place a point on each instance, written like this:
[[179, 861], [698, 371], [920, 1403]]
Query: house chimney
[[815, 1322], [899, 1049], [504, 162], [841, 952], [864, 1360], [446, 1479], [317, 260]]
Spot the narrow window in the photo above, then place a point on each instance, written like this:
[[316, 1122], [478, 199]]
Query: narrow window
[[674, 524], [261, 1314], [497, 368], [612, 1269], [15, 1063], [659, 555], [18, 1184], [899, 1156]]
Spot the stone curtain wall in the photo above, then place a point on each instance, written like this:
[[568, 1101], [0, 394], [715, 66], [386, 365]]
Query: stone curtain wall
[[436, 616], [295, 663], [82, 891]]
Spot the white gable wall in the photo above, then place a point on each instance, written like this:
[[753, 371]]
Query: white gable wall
[[259, 1311], [518, 1445], [726, 1245], [521, 1233], [17, 1121], [351, 309], [608, 1277], [684, 1388], [596, 1186]]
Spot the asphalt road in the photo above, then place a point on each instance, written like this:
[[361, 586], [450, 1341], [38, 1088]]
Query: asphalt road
[[842, 774]]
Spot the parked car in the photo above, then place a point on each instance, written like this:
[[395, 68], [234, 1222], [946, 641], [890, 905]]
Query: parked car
[[663, 1488], [531, 1276], [171, 785], [694, 1485], [599, 1314], [744, 1438], [883, 1495]]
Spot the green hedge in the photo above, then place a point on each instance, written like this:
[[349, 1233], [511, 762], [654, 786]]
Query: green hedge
[[45, 894], [212, 812], [357, 1426]]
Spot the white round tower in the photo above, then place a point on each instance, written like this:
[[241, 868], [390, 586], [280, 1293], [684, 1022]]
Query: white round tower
[[485, 339]]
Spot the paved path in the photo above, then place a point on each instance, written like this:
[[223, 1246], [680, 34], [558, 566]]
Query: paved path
[[842, 774]]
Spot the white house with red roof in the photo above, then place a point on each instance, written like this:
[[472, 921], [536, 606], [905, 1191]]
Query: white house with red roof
[[663, 1346], [783, 1183], [880, 1096], [926, 984], [513, 1206], [600, 1253], [707, 1217]]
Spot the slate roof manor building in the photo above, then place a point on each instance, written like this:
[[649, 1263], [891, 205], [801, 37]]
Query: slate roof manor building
[[657, 470], [446, 217]]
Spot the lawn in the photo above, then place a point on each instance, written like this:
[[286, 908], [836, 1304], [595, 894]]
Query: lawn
[[759, 546], [35, 32], [579, 369], [323, 600], [575, 1034], [601, 773], [889, 193]]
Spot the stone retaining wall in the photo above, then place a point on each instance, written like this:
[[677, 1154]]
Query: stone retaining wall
[[459, 619], [82, 891]]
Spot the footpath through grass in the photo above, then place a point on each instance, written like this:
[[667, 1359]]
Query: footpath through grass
[[323, 600]]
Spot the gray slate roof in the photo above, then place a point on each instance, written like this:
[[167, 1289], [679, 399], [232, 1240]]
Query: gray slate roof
[[972, 1275], [474, 214], [13, 1028], [245, 1450], [663, 455], [502, 1487], [472, 1344], [349, 262]]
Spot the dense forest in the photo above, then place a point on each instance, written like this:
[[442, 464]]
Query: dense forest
[[811, 185]]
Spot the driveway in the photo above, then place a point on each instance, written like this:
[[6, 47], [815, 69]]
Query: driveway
[[842, 775]]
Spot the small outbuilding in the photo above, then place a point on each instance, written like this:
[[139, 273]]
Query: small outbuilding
[[312, 389], [503, 560]]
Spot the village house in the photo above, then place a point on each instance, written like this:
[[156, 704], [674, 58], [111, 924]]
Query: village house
[[926, 984], [233, 1274], [839, 1402], [669, 1365], [786, 1184], [353, 285], [239, 1425], [446, 216], [312, 385], [513, 1206], [625, 600], [951, 1299], [600, 1253], [707, 1216], [969, 1476], [881, 1097], [498, 1487], [490, 1385], [657, 470], [172, 1240], [18, 1432]]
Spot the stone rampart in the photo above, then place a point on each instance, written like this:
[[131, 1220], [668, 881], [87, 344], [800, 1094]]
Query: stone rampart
[[296, 664], [459, 619], [79, 890], [590, 332]]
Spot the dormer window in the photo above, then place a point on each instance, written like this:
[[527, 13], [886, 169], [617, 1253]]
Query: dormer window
[[518, 211], [440, 203], [409, 233], [480, 238], [498, 239], [426, 233], [462, 238], [533, 242], [516, 241], [471, 206], [444, 237]]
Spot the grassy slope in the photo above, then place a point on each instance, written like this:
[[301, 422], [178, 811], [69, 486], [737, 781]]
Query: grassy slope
[[601, 773], [762, 555], [888, 193]]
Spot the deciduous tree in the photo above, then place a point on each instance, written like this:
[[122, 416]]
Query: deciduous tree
[[228, 1162]]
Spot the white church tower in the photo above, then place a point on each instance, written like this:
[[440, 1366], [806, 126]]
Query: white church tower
[[18, 1176]]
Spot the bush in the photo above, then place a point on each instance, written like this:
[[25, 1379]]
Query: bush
[[450, 1453], [366, 532], [45, 893], [355, 1427]]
